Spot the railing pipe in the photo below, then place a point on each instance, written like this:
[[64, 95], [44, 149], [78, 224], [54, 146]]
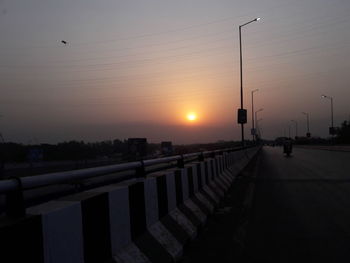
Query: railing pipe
[[30, 182]]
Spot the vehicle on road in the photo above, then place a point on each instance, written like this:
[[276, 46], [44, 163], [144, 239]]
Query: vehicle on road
[[287, 147]]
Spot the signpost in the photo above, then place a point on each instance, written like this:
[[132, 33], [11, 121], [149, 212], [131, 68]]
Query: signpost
[[242, 116]]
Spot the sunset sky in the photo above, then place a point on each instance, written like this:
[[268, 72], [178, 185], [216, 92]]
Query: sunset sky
[[138, 68]]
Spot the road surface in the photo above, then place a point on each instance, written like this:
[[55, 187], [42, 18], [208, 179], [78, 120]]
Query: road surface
[[301, 207], [280, 209]]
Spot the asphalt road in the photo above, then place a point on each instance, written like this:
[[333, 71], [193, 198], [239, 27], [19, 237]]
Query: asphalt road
[[301, 207], [282, 209]]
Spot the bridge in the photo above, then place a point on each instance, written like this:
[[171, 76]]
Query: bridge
[[167, 210]]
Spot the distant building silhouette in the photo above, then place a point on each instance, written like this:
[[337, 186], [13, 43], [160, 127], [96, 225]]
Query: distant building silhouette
[[137, 148], [167, 148]]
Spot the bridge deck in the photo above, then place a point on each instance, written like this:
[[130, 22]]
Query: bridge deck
[[301, 208], [300, 212]]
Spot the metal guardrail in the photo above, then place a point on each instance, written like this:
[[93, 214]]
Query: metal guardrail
[[13, 188]]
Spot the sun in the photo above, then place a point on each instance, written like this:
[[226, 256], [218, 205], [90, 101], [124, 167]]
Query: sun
[[191, 116]]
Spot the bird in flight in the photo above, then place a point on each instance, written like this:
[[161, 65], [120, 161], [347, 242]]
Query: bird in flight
[[64, 42]]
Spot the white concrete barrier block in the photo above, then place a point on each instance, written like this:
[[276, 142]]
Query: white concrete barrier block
[[196, 211], [184, 222], [167, 240], [131, 254], [212, 194], [173, 195], [62, 231], [205, 201], [119, 214]]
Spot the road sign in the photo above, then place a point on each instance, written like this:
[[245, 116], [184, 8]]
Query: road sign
[[242, 116]]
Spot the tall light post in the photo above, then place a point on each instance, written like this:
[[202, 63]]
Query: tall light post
[[331, 129], [253, 126], [256, 115], [242, 113], [308, 134], [296, 128], [257, 125]]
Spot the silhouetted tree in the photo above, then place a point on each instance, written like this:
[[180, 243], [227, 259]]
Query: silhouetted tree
[[343, 133]]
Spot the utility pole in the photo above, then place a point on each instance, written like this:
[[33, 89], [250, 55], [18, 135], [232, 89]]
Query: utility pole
[[256, 117], [242, 113], [253, 122], [308, 134], [331, 129]]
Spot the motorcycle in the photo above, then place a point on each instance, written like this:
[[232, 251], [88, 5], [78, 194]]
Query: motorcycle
[[287, 148]]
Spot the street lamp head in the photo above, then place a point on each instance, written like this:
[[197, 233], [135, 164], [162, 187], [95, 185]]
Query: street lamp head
[[327, 97], [254, 20], [255, 90]]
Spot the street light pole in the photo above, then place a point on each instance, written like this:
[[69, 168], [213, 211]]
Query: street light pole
[[331, 99], [256, 115], [307, 124], [296, 128], [241, 77], [332, 111], [257, 126], [253, 123]]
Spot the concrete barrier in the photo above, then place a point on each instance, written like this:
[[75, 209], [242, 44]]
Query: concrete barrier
[[51, 232], [140, 220]]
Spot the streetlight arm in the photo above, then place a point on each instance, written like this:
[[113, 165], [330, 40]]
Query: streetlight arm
[[256, 19]]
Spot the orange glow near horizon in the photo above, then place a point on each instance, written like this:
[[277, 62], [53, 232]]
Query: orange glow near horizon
[[191, 116]]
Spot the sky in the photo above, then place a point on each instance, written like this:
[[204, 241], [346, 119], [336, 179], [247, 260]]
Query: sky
[[138, 68]]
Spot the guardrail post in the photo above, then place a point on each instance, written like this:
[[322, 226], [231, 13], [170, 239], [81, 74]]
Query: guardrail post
[[141, 171], [15, 202], [181, 162]]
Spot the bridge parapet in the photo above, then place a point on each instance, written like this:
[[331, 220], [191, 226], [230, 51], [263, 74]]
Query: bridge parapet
[[146, 219]]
